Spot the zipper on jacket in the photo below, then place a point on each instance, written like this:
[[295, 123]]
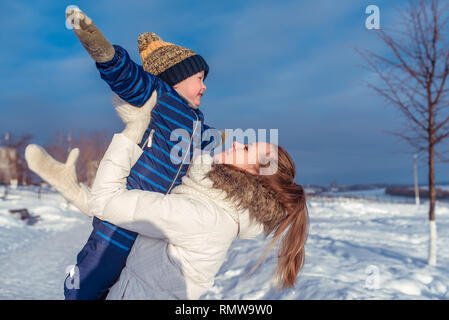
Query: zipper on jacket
[[150, 138], [187, 153], [124, 290], [148, 141]]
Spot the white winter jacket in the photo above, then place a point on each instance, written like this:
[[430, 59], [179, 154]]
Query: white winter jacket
[[183, 236]]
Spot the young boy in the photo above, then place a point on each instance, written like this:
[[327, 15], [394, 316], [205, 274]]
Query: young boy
[[177, 74]]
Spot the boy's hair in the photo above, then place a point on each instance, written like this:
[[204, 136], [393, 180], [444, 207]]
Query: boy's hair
[[169, 62]]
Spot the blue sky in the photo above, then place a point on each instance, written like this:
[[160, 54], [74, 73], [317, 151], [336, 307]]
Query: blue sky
[[288, 65]]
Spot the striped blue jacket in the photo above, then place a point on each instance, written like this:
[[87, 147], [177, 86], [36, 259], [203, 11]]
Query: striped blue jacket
[[175, 130]]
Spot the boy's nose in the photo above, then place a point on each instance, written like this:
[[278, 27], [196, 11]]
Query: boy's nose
[[204, 87]]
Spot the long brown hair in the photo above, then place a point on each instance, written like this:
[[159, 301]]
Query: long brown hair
[[294, 227]]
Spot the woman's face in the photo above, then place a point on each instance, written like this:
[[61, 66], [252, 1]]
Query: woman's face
[[244, 156]]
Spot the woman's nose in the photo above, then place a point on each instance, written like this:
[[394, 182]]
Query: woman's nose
[[237, 145]]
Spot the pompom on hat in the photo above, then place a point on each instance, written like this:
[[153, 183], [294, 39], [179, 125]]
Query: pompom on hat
[[169, 62]]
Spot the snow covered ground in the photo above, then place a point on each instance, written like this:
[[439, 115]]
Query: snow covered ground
[[357, 249]]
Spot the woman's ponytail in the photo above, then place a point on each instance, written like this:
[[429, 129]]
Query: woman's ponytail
[[291, 255], [294, 227]]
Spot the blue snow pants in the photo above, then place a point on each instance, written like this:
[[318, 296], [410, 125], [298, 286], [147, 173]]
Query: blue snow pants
[[107, 244]]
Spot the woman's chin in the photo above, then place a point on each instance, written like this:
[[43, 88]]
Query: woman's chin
[[218, 158]]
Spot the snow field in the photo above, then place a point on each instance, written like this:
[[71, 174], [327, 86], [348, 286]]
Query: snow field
[[356, 249]]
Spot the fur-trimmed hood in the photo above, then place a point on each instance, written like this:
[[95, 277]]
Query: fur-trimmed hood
[[248, 192]]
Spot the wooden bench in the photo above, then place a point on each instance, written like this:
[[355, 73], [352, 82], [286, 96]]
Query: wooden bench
[[25, 215]]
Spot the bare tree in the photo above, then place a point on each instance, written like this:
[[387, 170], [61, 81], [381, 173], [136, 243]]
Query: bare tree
[[59, 146], [412, 78], [20, 168], [92, 147]]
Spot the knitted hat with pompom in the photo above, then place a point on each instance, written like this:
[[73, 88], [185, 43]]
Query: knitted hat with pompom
[[169, 62]]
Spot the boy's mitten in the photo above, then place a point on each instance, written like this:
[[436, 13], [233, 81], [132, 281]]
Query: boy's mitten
[[136, 119], [61, 176], [89, 35]]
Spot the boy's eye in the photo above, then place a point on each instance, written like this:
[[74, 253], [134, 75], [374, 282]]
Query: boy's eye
[[246, 147]]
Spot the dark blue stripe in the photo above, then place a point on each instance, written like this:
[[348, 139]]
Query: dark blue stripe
[[167, 87], [147, 95], [117, 67], [161, 162], [136, 98], [154, 170], [172, 120], [132, 83], [133, 180], [112, 241], [168, 154], [148, 180], [171, 143], [175, 110], [160, 125], [118, 231]]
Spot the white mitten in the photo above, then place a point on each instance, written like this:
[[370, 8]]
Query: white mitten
[[136, 119], [62, 176]]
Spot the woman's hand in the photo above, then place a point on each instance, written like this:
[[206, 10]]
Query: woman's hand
[[96, 45], [136, 119], [61, 176]]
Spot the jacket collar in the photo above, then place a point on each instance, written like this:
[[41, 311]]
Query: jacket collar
[[196, 182]]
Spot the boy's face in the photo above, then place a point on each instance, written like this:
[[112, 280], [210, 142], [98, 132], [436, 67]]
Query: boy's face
[[192, 87]]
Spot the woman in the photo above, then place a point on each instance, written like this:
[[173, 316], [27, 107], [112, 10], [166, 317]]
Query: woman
[[184, 236]]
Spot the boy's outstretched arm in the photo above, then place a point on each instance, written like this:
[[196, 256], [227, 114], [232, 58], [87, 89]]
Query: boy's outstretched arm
[[126, 78]]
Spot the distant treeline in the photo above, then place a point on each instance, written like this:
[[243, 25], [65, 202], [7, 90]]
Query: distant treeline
[[410, 192]]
